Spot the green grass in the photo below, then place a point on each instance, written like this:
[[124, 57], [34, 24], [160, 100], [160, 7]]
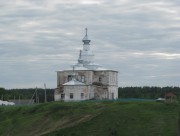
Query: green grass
[[90, 119]]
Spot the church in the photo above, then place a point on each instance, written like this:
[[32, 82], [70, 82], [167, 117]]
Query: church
[[87, 80]]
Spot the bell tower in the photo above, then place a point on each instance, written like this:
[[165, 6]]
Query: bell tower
[[86, 56]]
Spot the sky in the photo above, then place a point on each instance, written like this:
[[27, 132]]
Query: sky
[[138, 38]]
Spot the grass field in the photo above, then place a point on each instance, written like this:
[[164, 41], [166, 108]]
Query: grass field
[[90, 119]]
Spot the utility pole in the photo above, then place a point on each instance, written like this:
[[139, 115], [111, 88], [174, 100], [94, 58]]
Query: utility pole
[[32, 100], [45, 97]]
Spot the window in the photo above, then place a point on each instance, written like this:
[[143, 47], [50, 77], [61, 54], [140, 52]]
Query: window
[[69, 77], [100, 79], [62, 96], [71, 95], [82, 95], [82, 78]]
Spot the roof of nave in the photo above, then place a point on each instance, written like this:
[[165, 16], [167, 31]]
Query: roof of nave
[[99, 69]]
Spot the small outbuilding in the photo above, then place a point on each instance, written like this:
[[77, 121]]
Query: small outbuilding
[[170, 97]]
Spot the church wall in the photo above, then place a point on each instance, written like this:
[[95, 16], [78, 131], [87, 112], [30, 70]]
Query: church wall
[[102, 84], [57, 94], [107, 77], [112, 78], [100, 92], [100, 77], [88, 76], [113, 92], [57, 97], [76, 91], [113, 85], [62, 76]]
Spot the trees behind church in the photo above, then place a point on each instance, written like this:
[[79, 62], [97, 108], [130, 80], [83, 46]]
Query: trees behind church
[[123, 92]]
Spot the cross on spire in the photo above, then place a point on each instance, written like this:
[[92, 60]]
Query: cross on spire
[[86, 31], [85, 39]]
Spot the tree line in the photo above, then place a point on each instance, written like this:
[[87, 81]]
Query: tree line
[[123, 92], [15, 94], [147, 92]]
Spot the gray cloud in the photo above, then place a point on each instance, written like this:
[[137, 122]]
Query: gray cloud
[[140, 39]]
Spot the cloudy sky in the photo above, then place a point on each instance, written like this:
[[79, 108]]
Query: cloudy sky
[[138, 38]]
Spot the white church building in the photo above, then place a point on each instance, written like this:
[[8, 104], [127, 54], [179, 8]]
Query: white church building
[[86, 80]]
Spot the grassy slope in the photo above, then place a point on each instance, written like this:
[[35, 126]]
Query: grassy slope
[[90, 119]]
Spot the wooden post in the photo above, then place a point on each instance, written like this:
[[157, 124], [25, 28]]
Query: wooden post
[[45, 97]]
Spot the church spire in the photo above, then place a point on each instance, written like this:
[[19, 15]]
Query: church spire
[[85, 39], [86, 31]]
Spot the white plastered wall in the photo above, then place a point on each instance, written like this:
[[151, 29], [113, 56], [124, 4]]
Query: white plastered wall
[[76, 90]]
